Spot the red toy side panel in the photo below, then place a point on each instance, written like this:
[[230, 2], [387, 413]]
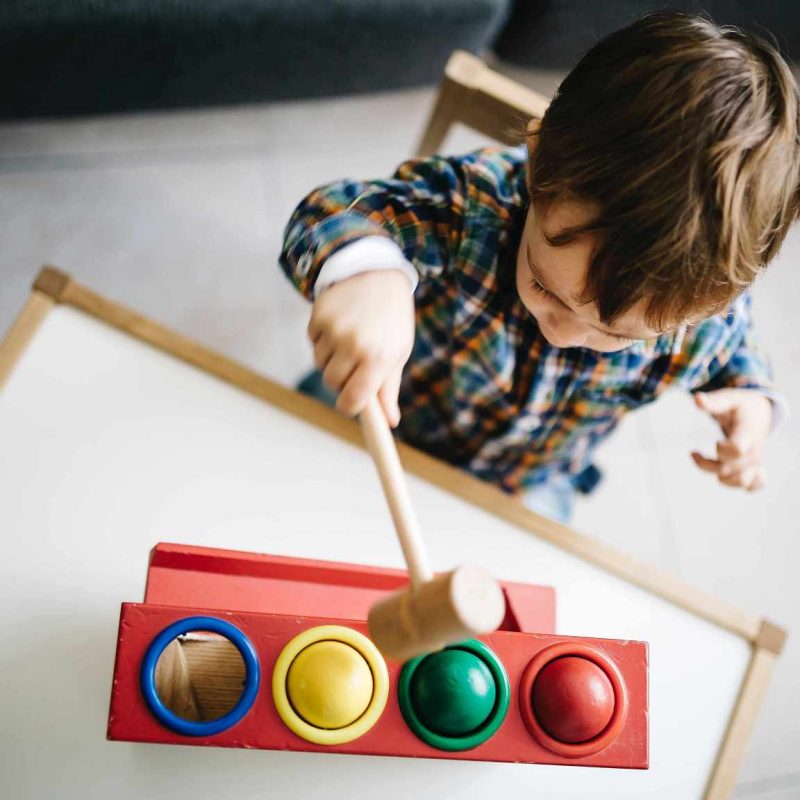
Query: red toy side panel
[[529, 609], [262, 727], [232, 580]]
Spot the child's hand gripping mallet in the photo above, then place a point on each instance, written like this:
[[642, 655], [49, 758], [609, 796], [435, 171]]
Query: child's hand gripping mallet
[[433, 611]]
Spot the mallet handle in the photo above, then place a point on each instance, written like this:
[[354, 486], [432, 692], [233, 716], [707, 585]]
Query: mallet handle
[[381, 446]]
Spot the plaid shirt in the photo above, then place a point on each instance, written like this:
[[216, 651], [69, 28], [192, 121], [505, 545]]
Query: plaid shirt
[[483, 389]]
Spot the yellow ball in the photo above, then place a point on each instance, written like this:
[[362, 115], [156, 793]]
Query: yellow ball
[[329, 684]]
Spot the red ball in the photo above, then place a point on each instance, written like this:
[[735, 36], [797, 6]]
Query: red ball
[[573, 699]]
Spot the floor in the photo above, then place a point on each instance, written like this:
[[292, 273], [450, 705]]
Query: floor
[[180, 215]]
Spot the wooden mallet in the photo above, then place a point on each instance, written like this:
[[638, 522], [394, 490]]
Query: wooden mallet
[[434, 610]]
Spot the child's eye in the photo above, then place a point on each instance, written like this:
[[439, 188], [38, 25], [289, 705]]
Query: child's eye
[[539, 288], [622, 339]]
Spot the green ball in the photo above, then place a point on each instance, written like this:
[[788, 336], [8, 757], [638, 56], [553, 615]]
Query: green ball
[[453, 692]]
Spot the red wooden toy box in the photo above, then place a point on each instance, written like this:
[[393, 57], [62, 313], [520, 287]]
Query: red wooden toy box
[[273, 609]]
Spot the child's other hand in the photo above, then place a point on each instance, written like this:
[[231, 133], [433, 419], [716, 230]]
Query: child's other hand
[[745, 417], [362, 330]]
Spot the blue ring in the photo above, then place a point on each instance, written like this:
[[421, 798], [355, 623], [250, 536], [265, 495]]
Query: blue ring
[[148, 676]]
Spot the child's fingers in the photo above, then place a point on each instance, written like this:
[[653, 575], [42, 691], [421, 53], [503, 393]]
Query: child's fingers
[[750, 478], [706, 464], [749, 475], [732, 462], [759, 481], [732, 466], [718, 404], [388, 394], [360, 386], [315, 329], [732, 449], [740, 436], [338, 370], [735, 480], [323, 350]]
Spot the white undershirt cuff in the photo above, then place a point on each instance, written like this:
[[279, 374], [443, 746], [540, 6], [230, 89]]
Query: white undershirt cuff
[[369, 254]]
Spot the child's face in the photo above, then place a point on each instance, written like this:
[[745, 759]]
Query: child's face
[[549, 279]]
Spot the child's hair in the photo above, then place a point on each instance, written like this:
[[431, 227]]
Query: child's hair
[[684, 136]]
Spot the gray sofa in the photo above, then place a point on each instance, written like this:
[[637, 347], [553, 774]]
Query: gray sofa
[[89, 56], [555, 33]]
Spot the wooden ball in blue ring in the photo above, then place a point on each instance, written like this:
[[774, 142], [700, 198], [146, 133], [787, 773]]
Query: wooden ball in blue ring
[[147, 676]]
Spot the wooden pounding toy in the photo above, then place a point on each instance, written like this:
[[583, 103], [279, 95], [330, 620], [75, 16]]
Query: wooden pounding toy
[[434, 610], [314, 682]]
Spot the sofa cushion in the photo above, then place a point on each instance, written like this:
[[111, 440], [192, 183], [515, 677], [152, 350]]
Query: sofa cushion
[[82, 56]]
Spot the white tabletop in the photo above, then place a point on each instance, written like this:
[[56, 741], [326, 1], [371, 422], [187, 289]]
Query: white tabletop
[[109, 446]]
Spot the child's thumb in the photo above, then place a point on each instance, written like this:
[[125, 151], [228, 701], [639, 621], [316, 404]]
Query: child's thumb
[[717, 402]]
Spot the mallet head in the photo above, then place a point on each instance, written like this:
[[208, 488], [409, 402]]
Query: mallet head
[[453, 606]]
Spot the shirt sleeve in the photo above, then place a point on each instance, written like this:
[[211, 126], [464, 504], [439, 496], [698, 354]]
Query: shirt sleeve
[[738, 362], [370, 254], [419, 209]]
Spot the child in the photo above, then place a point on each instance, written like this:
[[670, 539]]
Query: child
[[509, 307]]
